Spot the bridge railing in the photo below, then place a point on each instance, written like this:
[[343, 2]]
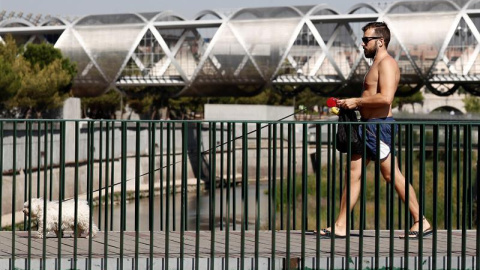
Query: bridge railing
[[234, 178]]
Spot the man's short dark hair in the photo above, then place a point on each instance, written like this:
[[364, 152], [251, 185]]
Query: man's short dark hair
[[381, 29]]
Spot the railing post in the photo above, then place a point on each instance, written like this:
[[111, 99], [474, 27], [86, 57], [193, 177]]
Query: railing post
[[318, 183], [174, 177], [212, 181], [137, 190], [151, 186], [348, 188], [257, 193], [435, 195], [199, 175], [333, 197], [304, 192], [282, 178], [228, 195], [290, 182], [448, 193], [75, 239], [61, 196], [244, 226], [167, 198], [107, 186], [100, 172], [363, 185], [183, 214], [28, 187], [421, 199], [123, 196], [273, 198], [393, 166], [466, 169]]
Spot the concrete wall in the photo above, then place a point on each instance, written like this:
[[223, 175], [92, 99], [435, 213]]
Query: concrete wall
[[24, 176], [234, 112]]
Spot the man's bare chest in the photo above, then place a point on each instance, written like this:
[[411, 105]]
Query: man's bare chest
[[370, 82]]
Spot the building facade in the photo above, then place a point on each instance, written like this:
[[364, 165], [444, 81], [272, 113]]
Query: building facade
[[239, 53]]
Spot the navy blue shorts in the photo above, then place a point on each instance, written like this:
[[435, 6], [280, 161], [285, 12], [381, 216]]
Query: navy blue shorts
[[371, 138]]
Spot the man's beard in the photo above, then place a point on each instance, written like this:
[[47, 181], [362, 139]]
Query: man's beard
[[370, 53]]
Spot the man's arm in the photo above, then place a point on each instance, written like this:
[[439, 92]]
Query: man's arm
[[387, 85]]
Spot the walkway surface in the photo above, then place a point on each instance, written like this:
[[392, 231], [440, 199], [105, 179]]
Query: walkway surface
[[113, 244]]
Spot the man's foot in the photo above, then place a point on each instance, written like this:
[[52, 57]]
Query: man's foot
[[414, 232], [327, 233]]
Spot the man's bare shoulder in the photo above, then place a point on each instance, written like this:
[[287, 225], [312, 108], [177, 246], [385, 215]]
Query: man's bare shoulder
[[388, 62]]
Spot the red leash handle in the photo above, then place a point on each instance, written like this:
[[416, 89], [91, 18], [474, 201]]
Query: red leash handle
[[332, 102]]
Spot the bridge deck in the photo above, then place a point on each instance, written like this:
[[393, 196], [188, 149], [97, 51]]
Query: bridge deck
[[265, 245]]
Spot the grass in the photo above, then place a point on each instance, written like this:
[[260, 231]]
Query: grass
[[399, 208]]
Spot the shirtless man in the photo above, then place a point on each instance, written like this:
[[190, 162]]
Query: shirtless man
[[375, 105]]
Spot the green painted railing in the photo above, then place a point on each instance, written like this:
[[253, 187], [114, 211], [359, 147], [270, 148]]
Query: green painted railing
[[260, 178]]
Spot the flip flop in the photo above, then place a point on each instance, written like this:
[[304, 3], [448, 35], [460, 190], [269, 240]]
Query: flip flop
[[416, 234], [327, 234]]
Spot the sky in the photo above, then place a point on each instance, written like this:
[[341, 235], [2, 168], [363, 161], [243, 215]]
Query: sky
[[184, 8]]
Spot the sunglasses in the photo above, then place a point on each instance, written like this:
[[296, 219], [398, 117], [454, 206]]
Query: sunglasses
[[367, 39]]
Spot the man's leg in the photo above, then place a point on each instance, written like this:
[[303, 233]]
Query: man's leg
[[355, 186], [400, 187]]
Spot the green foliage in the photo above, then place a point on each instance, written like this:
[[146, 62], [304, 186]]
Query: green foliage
[[10, 71], [472, 104], [10, 81], [145, 101], [45, 54], [9, 50], [181, 108], [41, 54], [33, 81], [416, 98], [148, 101], [326, 190], [102, 107], [40, 89], [310, 100]]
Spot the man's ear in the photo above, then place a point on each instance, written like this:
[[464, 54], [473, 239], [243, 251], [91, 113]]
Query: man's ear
[[380, 43]]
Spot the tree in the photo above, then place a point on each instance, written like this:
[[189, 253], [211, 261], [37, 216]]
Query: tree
[[102, 107], [10, 71], [33, 81], [45, 54], [472, 104], [155, 103], [46, 78], [310, 100], [10, 81], [40, 89], [416, 98]]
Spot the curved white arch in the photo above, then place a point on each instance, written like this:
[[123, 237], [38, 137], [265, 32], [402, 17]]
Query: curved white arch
[[7, 22], [454, 4], [300, 14], [62, 20], [251, 10], [75, 23], [469, 3], [397, 4], [321, 7], [245, 10], [203, 13], [167, 13], [363, 5]]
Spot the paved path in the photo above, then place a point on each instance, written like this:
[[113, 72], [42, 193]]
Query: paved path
[[113, 245]]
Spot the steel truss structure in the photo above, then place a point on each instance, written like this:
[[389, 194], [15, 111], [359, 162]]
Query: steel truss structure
[[239, 53]]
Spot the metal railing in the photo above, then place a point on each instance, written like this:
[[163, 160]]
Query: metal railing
[[197, 189]]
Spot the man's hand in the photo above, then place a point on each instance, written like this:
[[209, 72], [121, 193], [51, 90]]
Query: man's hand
[[349, 103]]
